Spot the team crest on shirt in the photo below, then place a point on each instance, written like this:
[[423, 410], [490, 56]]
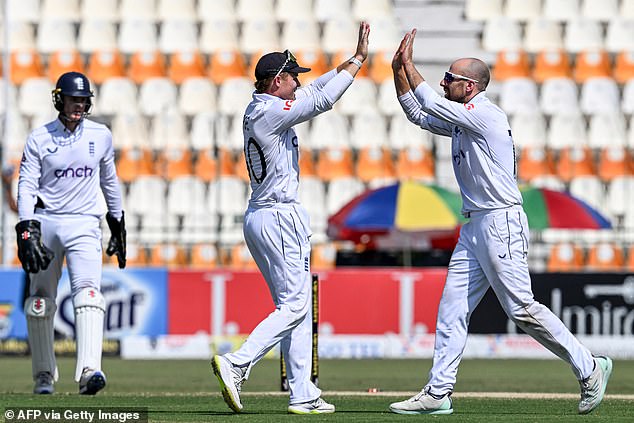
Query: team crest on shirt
[[287, 105], [91, 148], [469, 106]]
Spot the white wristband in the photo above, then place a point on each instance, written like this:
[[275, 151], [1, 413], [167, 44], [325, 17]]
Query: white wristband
[[355, 61]]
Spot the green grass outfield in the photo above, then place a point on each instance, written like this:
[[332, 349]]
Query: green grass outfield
[[186, 391]]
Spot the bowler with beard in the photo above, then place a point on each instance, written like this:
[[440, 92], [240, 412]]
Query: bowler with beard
[[492, 248]]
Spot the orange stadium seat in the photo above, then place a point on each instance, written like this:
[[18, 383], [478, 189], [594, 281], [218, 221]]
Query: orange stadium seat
[[253, 61], [104, 65], [174, 162], [145, 65], [306, 162], [25, 64], [614, 162], [381, 68], [323, 256], [535, 162], [551, 64], [240, 167], [510, 64], [226, 64], [335, 163], [565, 257], [226, 162], [575, 161], [240, 258], [170, 255], [316, 60], [134, 162], [624, 67], [203, 256], [592, 64], [374, 163], [206, 166], [629, 264], [64, 61], [606, 257], [415, 163], [185, 65]]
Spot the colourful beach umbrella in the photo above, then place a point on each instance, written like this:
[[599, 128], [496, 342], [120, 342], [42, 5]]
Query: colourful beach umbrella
[[548, 209], [409, 211], [404, 208]]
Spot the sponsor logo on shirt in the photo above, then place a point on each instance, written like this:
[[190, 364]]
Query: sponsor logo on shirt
[[469, 106], [287, 105], [78, 172]]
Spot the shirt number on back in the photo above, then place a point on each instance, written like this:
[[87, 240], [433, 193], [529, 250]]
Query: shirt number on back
[[255, 161]]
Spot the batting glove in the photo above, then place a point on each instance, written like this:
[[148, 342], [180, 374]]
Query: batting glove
[[33, 255], [117, 243]]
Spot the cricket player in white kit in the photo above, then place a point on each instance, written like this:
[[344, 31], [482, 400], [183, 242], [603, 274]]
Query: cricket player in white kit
[[64, 165], [493, 245], [276, 226]]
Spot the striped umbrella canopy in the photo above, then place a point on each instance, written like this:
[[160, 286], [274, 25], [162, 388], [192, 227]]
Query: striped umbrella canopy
[[548, 209], [404, 208], [409, 211]]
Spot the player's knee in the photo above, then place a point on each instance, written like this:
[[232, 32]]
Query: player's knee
[[293, 315], [526, 314], [89, 298], [39, 307]]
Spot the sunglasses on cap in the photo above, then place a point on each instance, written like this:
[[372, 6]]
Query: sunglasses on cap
[[289, 59], [450, 77]]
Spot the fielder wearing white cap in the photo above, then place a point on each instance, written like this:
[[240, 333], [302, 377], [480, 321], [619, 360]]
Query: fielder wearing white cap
[[493, 245], [276, 226]]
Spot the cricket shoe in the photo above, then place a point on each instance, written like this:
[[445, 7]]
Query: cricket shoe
[[231, 379], [91, 381], [593, 387], [317, 406], [44, 383], [423, 403]]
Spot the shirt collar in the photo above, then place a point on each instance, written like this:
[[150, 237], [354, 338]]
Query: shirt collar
[[479, 97], [263, 96], [59, 125]]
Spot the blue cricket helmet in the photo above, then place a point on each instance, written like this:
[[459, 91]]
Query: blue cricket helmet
[[73, 84]]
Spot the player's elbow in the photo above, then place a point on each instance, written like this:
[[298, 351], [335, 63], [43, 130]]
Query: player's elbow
[[323, 103]]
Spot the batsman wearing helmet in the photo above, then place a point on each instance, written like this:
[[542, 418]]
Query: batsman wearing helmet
[[64, 165], [276, 226]]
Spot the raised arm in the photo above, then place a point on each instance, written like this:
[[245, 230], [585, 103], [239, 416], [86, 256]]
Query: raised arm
[[353, 64]]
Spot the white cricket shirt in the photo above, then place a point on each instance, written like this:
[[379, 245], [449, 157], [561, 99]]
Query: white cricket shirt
[[482, 148], [270, 144], [67, 170]]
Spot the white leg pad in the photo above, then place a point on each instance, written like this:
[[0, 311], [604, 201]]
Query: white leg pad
[[40, 312], [90, 308]]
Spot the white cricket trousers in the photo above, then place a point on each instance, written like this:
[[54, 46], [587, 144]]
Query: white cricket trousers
[[492, 251], [278, 239]]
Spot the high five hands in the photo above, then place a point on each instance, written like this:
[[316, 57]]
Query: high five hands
[[362, 44], [404, 53]]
